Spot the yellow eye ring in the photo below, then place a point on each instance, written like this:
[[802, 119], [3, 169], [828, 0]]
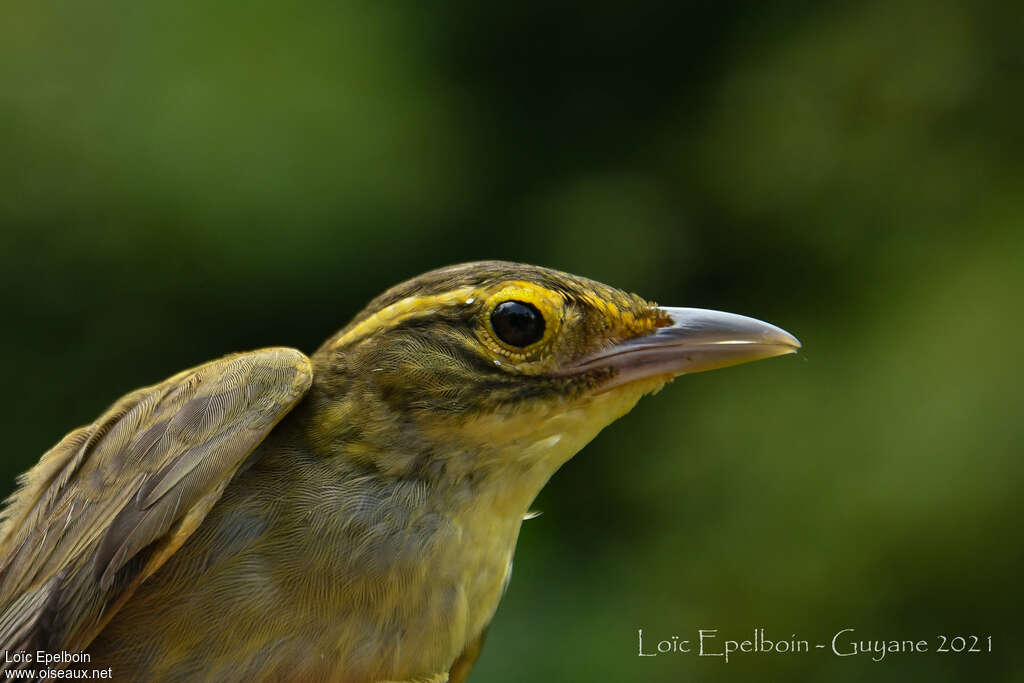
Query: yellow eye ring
[[521, 300]]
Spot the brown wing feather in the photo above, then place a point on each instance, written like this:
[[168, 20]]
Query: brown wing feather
[[106, 506]]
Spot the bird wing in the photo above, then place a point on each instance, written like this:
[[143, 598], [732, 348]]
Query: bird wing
[[105, 507]]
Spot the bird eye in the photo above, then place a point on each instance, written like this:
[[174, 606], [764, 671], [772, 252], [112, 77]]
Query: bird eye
[[517, 323]]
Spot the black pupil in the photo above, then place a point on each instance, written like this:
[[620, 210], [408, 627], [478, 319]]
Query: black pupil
[[517, 323]]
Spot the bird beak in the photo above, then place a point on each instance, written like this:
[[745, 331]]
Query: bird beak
[[696, 340]]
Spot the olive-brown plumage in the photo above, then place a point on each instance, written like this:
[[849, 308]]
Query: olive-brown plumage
[[350, 516]]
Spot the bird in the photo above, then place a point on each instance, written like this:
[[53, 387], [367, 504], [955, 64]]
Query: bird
[[347, 516]]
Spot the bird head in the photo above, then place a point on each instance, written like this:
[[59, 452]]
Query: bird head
[[497, 365]]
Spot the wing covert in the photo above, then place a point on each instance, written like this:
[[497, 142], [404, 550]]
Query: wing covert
[[106, 506]]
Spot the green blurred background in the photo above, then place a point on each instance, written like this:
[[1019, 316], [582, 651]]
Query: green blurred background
[[185, 179]]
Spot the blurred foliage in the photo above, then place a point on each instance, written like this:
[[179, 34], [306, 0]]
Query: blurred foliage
[[185, 179]]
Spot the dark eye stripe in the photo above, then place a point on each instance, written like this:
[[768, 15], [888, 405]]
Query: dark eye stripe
[[517, 323]]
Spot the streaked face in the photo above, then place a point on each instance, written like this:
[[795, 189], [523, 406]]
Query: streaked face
[[506, 338]]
